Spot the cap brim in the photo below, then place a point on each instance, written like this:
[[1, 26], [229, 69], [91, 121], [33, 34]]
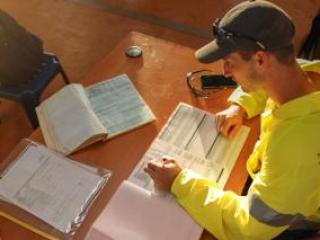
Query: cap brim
[[214, 51]]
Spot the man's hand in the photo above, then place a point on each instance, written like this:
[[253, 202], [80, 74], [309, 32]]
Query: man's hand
[[229, 121], [163, 172]]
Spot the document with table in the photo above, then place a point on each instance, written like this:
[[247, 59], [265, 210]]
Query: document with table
[[76, 117], [40, 184], [190, 137], [138, 212]]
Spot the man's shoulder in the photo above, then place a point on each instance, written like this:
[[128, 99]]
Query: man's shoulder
[[309, 65], [299, 131], [296, 135]]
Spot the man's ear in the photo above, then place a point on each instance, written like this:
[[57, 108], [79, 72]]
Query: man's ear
[[261, 59]]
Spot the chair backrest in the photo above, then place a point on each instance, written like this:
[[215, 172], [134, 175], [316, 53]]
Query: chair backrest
[[21, 52]]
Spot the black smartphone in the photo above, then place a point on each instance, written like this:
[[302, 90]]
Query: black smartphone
[[216, 81]]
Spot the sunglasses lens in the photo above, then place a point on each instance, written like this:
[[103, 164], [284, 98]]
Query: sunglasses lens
[[194, 83]]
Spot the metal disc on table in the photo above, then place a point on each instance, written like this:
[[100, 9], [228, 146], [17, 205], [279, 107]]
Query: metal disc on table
[[133, 51]]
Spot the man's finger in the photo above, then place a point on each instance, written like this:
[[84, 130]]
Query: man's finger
[[155, 164], [220, 119], [233, 132], [168, 160], [226, 128], [149, 171], [166, 157], [216, 121]]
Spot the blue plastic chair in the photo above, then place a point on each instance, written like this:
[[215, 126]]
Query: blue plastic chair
[[29, 94]]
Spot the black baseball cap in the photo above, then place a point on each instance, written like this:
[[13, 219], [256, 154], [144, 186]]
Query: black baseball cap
[[250, 25]]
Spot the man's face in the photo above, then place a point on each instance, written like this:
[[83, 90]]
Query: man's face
[[242, 71]]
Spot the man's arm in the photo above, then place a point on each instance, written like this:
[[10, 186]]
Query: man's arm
[[284, 193], [243, 105], [223, 213], [253, 103]]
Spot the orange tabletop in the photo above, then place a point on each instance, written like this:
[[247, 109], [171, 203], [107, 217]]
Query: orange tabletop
[[160, 77]]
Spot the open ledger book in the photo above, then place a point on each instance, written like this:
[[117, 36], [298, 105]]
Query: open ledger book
[[46, 192], [75, 116], [136, 212]]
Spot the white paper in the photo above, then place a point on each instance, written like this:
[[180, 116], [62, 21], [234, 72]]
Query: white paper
[[118, 105], [49, 186], [190, 137], [67, 119], [133, 213]]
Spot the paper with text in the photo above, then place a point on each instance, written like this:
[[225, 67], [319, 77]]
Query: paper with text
[[67, 120], [190, 137], [49, 186], [118, 105]]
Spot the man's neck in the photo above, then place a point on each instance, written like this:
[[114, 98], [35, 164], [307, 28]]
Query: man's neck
[[287, 82]]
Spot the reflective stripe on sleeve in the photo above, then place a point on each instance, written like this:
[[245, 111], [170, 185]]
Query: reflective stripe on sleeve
[[300, 222], [265, 214]]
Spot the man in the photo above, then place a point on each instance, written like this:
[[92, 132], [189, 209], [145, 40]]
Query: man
[[254, 40]]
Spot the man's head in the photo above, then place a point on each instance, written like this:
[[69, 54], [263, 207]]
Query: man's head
[[249, 26], [254, 31]]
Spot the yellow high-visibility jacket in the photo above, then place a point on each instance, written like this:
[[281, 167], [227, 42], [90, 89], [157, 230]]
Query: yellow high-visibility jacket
[[285, 167]]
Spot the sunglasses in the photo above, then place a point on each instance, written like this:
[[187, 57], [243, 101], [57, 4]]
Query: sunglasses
[[222, 34]]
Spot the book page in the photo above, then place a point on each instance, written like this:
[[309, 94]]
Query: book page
[[118, 105], [190, 137], [50, 187], [133, 213], [67, 120]]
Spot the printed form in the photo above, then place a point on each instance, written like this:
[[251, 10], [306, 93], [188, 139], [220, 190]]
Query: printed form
[[190, 137], [49, 186], [118, 105]]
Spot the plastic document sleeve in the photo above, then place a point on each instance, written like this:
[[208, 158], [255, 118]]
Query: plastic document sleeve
[[46, 192]]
